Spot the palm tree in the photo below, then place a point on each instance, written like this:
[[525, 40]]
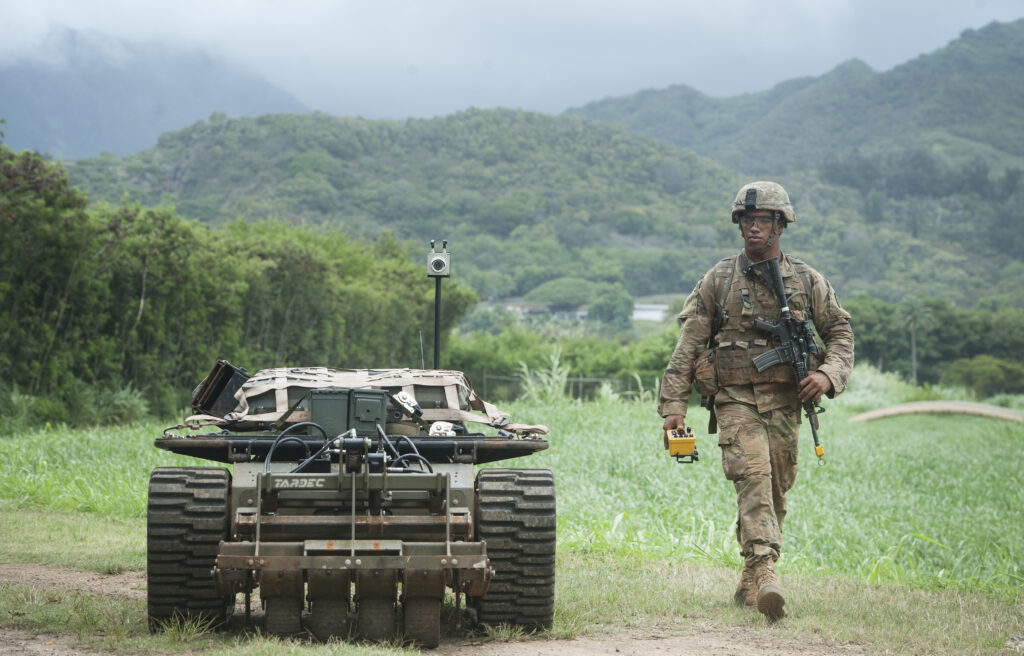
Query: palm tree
[[913, 315]]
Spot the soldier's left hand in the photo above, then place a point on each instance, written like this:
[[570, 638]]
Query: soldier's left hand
[[812, 387]]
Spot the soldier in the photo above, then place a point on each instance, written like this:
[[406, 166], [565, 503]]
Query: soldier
[[758, 412]]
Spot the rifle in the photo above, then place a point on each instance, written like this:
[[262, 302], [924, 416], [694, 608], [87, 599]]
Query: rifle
[[794, 342]]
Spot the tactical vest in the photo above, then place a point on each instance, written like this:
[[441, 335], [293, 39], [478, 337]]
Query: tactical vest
[[739, 299]]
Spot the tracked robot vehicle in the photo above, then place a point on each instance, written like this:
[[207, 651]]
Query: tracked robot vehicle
[[350, 505]]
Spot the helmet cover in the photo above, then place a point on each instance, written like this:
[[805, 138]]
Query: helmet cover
[[762, 195]]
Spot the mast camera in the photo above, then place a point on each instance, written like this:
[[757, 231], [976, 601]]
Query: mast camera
[[439, 263]]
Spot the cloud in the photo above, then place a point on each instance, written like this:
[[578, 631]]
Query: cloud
[[391, 58]]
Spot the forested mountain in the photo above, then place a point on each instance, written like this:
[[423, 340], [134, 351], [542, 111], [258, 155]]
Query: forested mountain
[[527, 198], [963, 100], [924, 163], [96, 94], [524, 198]]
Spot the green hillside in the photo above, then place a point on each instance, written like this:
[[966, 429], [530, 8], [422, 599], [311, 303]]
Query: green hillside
[[962, 101], [526, 199], [917, 173]]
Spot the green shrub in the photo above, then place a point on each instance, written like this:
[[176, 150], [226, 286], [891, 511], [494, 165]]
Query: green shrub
[[1012, 401], [986, 375], [123, 406], [79, 404], [929, 392], [83, 403], [20, 411]]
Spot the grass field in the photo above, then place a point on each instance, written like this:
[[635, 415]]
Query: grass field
[[925, 508], [926, 500]]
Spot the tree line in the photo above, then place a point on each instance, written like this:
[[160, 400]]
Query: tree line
[[106, 297], [928, 341]]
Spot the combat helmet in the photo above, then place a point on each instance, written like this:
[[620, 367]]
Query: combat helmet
[[762, 195]]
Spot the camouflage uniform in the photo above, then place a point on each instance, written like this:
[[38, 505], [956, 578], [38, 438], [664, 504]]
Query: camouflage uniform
[[759, 412]]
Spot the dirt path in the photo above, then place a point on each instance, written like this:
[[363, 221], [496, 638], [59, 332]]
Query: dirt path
[[716, 642], [702, 641], [129, 585]]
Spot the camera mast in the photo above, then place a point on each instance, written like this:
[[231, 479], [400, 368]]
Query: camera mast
[[439, 265]]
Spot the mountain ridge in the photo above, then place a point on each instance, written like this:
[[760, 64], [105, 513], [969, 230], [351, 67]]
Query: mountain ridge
[[93, 94], [793, 125]]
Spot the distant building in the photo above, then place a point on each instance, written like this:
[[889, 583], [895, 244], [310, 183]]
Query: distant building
[[641, 311], [649, 311]]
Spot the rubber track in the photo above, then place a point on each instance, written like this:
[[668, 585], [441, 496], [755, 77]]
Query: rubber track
[[516, 518], [187, 518]]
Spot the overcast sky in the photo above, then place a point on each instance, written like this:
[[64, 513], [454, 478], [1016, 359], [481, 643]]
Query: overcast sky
[[394, 59]]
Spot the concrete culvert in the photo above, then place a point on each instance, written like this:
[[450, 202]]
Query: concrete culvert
[[941, 407]]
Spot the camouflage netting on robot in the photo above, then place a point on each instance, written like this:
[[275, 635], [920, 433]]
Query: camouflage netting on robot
[[278, 396]]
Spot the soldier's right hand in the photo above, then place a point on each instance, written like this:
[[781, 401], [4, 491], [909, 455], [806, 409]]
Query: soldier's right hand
[[673, 422]]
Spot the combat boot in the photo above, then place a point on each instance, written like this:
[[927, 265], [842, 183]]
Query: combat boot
[[770, 601], [746, 591]]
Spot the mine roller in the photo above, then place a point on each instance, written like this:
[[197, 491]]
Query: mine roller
[[350, 500]]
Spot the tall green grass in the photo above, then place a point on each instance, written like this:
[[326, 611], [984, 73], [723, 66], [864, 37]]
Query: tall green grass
[[103, 470], [926, 500], [920, 500]]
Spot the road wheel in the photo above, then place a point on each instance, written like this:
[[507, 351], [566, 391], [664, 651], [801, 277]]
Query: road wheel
[[187, 518], [515, 516]]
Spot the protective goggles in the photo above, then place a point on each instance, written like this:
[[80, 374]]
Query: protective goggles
[[761, 221]]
